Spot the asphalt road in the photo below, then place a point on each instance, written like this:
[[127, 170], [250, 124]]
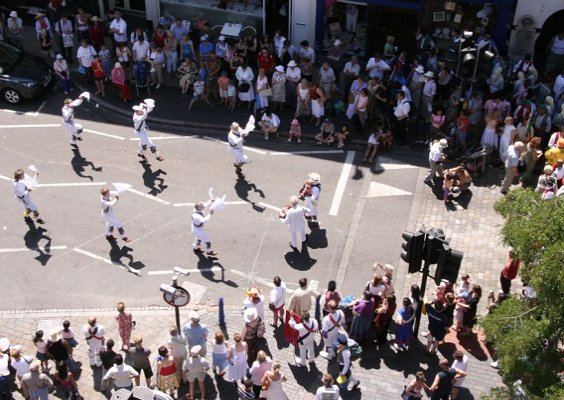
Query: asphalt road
[[68, 263]]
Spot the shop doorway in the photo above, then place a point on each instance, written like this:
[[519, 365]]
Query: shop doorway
[[386, 21], [550, 28], [276, 13]]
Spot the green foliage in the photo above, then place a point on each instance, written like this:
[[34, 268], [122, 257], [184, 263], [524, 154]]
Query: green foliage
[[528, 335]]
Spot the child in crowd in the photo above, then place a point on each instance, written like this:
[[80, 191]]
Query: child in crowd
[[295, 131], [222, 84], [41, 349], [220, 350], [231, 96], [199, 93], [464, 285], [104, 55], [459, 313], [68, 336]]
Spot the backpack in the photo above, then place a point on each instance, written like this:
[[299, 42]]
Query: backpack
[[355, 349]]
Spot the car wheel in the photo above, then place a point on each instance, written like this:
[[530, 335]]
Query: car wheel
[[12, 96]]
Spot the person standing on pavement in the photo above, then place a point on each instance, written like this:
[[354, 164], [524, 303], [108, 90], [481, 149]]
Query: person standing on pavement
[[68, 117], [235, 139], [60, 351], [94, 336], [293, 215], [141, 362], [436, 158], [5, 373], [277, 300], [108, 200], [121, 374], [345, 362], [85, 55], [195, 369], [177, 345], [442, 385], [509, 272], [35, 385], [401, 112], [119, 28], [140, 125], [301, 298], [310, 192], [330, 329], [196, 334], [260, 366], [306, 339], [328, 391], [15, 30], [22, 193], [199, 219], [108, 359], [511, 162], [125, 325], [61, 69], [460, 363]]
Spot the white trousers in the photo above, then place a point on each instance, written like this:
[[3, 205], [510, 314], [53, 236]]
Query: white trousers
[[240, 157], [27, 203], [330, 340], [94, 347], [74, 130], [144, 141], [111, 222], [294, 232], [200, 235], [311, 206], [307, 349]]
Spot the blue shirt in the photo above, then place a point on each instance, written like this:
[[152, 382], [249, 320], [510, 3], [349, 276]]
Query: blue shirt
[[195, 334]]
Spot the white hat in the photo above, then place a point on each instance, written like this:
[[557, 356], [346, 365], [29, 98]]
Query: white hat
[[205, 37], [420, 69], [14, 14], [59, 56], [279, 68], [4, 344], [292, 63], [194, 316], [337, 42], [117, 65], [314, 176], [137, 108], [443, 143], [221, 38], [54, 335], [429, 74], [195, 350], [250, 314]]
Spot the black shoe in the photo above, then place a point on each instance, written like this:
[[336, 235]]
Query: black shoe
[[39, 221], [198, 250], [293, 247], [78, 138], [356, 386]]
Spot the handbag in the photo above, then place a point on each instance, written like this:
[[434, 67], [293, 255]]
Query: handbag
[[266, 92], [271, 306], [244, 87], [261, 329], [82, 70]]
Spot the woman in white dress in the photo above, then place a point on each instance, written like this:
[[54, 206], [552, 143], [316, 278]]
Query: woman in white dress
[[507, 137], [237, 357], [262, 84], [272, 380], [244, 75], [489, 136]]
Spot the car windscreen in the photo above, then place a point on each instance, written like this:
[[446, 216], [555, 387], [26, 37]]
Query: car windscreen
[[9, 58]]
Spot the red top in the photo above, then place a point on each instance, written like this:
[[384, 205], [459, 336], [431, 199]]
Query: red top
[[97, 69], [266, 61], [511, 268], [168, 370]]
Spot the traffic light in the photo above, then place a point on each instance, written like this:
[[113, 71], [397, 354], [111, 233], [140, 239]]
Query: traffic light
[[448, 264], [435, 240], [412, 249]]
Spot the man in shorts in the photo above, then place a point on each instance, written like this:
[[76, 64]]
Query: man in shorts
[[141, 362], [437, 326]]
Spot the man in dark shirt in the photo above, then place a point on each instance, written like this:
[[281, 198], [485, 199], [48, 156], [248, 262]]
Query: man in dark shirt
[[437, 326], [442, 385], [108, 357], [141, 361]]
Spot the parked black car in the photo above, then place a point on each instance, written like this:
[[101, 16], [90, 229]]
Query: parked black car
[[22, 75]]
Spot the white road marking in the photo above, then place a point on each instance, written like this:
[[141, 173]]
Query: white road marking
[[29, 126], [70, 184], [227, 203], [252, 149], [42, 248], [340, 190], [28, 113], [104, 134], [148, 196], [107, 261], [377, 189], [390, 166], [286, 153], [170, 271], [265, 205], [256, 279], [5, 178], [165, 137]]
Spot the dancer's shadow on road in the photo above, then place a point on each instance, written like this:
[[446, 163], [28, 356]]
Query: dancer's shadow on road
[[205, 265], [243, 187], [118, 253], [317, 238], [152, 179], [80, 163], [32, 238], [300, 260], [310, 379]]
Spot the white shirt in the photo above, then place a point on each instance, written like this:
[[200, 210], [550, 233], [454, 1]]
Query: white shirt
[[63, 26], [326, 75], [328, 326], [461, 365], [22, 365], [86, 55], [402, 109], [279, 44], [68, 110], [121, 374], [138, 119], [278, 295], [436, 152], [140, 50], [376, 68], [273, 121], [121, 35], [303, 327], [325, 393], [307, 53], [430, 88], [295, 218], [352, 69], [199, 219], [293, 74], [235, 140], [177, 346], [107, 204], [558, 87], [20, 189]]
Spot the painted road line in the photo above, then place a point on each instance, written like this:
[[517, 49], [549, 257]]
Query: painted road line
[[227, 203], [252, 149], [195, 270], [340, 190], [5, 178], [148, 196], [165, 137], [286, 153], [30, 126], [262, 281], [41, 248], [107, 261], [70, 184], [184, 204], [265, 205], [104, 134]]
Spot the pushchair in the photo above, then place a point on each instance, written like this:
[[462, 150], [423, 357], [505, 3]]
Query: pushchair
[[141, 77]]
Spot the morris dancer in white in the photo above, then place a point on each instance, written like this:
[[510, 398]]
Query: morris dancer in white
[[293, 215], [330, 329], [306, 340], [199, 219], [310, 192], [140, 125], [22, 194], [68, 117], [108, 200], [94, 335], [235, 139]]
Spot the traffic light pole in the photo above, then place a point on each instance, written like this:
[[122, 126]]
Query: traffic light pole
[[423, 287]]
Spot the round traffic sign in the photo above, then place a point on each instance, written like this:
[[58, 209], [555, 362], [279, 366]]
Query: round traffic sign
[[180, 298]]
